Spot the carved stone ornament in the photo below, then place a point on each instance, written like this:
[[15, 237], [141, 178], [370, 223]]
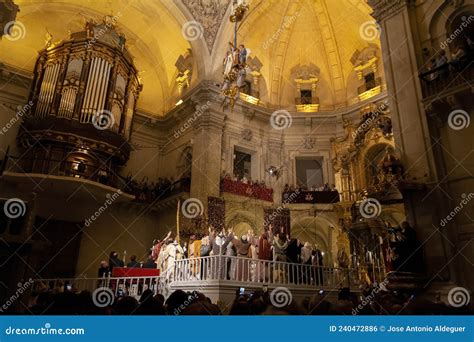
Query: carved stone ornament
[[209, 13], [309, 143], [247, 134]]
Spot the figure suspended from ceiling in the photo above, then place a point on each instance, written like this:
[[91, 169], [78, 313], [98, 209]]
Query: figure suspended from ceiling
[[235, 60]]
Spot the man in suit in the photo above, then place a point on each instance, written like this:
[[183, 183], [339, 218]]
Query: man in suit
[[114, 261], [150, 263], [133, 262]]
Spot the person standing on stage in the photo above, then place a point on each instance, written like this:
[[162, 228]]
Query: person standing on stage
[[114, 261], [219, 247], [157, 244], [133, 262], [194, 251], [265, 252], [243, 252], [280, 244], [306, 259]]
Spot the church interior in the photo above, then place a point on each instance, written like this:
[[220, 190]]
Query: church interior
[[237, 156]]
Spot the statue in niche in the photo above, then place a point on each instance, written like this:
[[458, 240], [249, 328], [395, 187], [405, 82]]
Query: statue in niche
[[407, 254]]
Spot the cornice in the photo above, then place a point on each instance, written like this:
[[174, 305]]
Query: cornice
[[384, 9]]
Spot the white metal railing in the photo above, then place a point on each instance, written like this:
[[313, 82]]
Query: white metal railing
[[121, 286], [254, 271]]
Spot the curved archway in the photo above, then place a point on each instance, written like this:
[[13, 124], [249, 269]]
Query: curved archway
[[443, 23], [241, 223]]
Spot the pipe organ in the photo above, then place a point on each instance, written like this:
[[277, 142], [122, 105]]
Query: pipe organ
[[84, 94], [89, 74]]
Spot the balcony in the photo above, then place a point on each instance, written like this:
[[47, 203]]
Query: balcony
[[75, 169], [307, 104], [447, 78], [248, 190], [162, 195], [218, 277], [67, 189], [370, 89]]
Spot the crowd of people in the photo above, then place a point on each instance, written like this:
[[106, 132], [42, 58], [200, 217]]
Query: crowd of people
[[146, 191], [246, 186], [63, 302], [272, 245], [303, 187], [243, 179], [440, 64]]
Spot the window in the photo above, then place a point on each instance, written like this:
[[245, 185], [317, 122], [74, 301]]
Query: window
[[370, 81], [247, 88], [309, 172], [242, 164], [306, 97]]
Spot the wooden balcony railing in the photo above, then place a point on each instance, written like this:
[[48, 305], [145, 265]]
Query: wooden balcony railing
[[83, 170]]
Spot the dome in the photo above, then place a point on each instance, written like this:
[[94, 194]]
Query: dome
[[294, 45]]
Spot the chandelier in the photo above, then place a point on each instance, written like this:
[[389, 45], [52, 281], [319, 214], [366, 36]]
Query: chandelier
[[235, 60]]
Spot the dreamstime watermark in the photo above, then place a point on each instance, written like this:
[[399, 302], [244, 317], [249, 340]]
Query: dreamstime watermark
[[459, 119], [14, 208], [103, 119], [370, 208], [458, 296], [465, 200], [190, 300], [14, 30], [19, 291], [102, 297], [370, 120], [46, 330], [281, 119], [199, 111], [111, 22], [281, 297], [108, 202], [370, 297], [192, 30], [192, 208], [369, 30], [18, 115], [464, 24], [287, 22]]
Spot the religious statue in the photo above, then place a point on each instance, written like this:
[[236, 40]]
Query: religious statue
[[48, 40]]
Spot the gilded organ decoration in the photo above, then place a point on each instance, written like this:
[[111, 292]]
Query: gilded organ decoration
[[83, 96], [89, 74]]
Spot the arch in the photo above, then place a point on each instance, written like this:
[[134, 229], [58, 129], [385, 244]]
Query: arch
[[185, 162], [240, 220], [443, 18], [372, 158]]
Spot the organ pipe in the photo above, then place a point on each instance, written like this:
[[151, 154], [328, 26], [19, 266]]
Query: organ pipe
[[96, 90]]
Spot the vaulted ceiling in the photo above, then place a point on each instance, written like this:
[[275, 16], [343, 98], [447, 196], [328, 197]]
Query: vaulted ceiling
[[282, 34]]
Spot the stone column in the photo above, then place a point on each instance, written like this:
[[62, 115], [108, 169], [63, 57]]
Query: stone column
[[206, 171], [399, 34]]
